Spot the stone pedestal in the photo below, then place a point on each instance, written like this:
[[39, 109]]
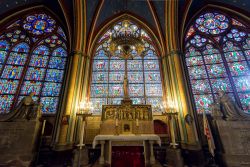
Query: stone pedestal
[[234, 137], [18, 142], [174, 157], [81, 158]]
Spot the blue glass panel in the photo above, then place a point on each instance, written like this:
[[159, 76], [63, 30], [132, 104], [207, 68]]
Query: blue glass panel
[[221, 84], [12, 72], [31, 86], [150, 55], [239, 68], [100, 65], [57, 62], [117, 65], [203, 102], [216, 70], [41, 50], [4, 45], [8, 87], [97, 104], [197, 72], [247, 53], [35, 74], [5, 103], [234, 56], [59, 52], [99, 90], [101, 55], [134, 65], [245, 101], [242, 83], [152, 77], [51, 89], [38, 61], [17, 58], [135, 77], [200, 86], [138, 100], [53, 75], [99, 77], [192, 61], [3, 55], [214, 58], [156, 105], [153, 90], [136, 90], [116, 90], [151, 65], [21, 48], [116, 77], [49, 104], [114, 100]]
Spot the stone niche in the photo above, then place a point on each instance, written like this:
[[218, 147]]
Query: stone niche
[[234, 136]]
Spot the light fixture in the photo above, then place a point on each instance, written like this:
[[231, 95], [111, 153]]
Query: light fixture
[[126, 40]]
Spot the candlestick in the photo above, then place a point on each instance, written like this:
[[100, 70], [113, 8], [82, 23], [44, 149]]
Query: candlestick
[[81, 132], [116, 122], [137, 122]]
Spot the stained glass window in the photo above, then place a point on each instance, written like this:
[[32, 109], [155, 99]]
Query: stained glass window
[[33, 56], [217, 50], [143, 72]]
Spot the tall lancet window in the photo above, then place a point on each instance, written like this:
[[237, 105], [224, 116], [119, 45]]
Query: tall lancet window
[[141, 66], [33, 57], [217, 54]]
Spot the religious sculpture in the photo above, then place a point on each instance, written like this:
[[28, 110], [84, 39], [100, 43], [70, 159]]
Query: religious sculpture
[[125, 87], [28, 107], [229, 109]]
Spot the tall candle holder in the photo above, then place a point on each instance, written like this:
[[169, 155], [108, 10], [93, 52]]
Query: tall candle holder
[[83, 112], [171, 113]]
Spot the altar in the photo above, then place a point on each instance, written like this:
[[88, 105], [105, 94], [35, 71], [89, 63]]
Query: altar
[[108, 141], [127, 126]]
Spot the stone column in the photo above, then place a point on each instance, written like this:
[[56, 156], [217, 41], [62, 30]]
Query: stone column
[[64, 137], [102, 160], [152, 156], [175, 81]]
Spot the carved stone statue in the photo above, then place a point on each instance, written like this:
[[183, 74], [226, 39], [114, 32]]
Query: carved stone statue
[[125, 87], [229, 108], [28, 107]]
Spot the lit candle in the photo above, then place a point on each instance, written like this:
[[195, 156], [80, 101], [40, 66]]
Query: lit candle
[[81, 132], [116, 122]]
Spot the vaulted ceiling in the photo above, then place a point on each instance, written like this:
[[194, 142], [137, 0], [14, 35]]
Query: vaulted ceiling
[[101, 11]]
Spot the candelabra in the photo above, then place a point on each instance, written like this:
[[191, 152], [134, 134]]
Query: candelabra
[[171, 113], [83, 112]]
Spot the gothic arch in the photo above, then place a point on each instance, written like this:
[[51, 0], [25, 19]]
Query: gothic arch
[[34, 53]]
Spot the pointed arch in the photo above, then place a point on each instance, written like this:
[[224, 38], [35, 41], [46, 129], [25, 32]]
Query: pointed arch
[[33, 51], [216, 45]]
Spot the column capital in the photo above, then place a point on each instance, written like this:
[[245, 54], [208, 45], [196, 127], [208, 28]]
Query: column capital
[[76, 52], [173, 52]]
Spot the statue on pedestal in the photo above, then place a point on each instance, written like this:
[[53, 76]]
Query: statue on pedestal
[[27, 107], [125, 87], [229, 109]]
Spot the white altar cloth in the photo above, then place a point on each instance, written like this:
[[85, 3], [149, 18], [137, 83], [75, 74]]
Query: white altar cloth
[[149, 137]]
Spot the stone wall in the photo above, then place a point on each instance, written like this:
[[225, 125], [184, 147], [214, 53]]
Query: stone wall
[[18, 142], [235, 140]]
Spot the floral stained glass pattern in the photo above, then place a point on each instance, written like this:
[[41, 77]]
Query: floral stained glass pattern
[[33, 56], [226, 60]]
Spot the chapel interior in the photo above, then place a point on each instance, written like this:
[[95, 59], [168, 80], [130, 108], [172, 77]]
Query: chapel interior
[[124, 83]]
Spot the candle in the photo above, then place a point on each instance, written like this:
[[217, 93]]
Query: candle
[[137, 122], [116, 122], [81, 133]]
